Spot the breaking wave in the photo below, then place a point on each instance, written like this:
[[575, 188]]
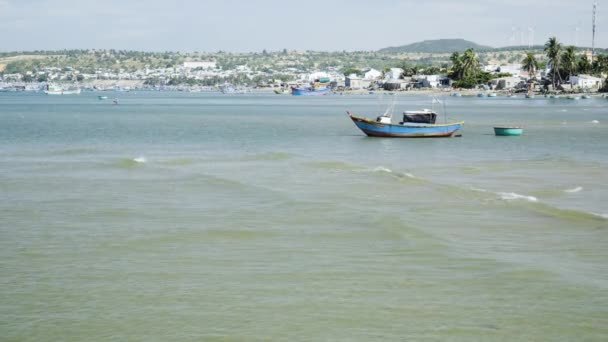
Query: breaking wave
[[573, 190], [128, 163], [382, 169], [510, 196]]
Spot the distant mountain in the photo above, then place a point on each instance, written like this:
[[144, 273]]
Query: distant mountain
[[436, 46]]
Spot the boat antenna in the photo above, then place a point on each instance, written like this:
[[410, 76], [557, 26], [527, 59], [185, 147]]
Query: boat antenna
[[445, 113], [390, 109]]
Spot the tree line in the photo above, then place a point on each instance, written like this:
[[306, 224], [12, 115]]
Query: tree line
[[564, 63]]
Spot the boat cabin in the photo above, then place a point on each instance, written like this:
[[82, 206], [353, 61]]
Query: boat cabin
[[419, 116]]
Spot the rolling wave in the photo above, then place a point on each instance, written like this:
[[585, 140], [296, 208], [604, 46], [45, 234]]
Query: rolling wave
[[547, 209], [179, 162], [573, 190], [72, 151], [270, 156], [335, 166], [509, 196], [381, 169], [129, 163]]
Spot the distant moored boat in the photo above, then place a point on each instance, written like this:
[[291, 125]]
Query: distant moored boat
[[61, 91], [309, 91]]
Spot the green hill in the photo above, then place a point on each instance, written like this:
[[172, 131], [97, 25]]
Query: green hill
[[436, 46]]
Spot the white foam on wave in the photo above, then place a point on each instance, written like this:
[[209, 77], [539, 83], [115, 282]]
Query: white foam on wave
[[409, 175], [595, 122], [604, 216], [140, 160], [509, 196], [382, 169], [478, 189], [573, 190]]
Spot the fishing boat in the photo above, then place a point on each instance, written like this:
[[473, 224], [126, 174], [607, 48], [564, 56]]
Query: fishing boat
[[586, 97], [492, 95], [415, 124], [317, 87], [309, 91], [102, 97], [54, 90], [282, 91], [508, 130]]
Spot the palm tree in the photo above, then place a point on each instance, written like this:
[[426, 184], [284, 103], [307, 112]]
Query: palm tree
[[456, 65], [530, 64], [583, 65], [553, 50], [470, 63], [600, 64], [569, 60]]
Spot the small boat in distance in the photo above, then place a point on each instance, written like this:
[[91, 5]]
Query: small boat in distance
[[55, 90], [102, 97], [282, 91], [309, 91], [415, 124], [508, 130], [319, 86]]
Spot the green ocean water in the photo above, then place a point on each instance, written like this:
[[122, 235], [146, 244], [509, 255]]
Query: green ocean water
[[257, 217]]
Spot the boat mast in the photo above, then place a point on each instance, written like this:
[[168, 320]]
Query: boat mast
[[593, 31]]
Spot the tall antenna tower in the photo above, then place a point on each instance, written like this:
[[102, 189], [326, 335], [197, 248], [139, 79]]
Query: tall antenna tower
[[530, 37], [593, 34]]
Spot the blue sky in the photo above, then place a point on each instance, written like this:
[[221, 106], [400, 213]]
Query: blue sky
[[330, 25]]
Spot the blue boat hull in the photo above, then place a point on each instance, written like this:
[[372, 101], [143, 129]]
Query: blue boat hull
[[309, 92], [377, 129]]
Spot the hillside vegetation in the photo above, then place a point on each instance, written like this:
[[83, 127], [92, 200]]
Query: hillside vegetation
[[436, 46]]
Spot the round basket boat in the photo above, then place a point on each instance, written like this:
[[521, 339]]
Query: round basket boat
[[508, 131]]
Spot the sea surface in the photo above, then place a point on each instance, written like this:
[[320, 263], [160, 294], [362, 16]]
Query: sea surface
[[257, 217]]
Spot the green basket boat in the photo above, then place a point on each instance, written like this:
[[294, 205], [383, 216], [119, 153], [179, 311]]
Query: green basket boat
[[508, 131]]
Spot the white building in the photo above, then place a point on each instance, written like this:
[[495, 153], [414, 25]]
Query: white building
[[393, 74], [355, 82], [505, 83], [513, 69], [201, 64], [586, 81], [372, 74], [433, 81]]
